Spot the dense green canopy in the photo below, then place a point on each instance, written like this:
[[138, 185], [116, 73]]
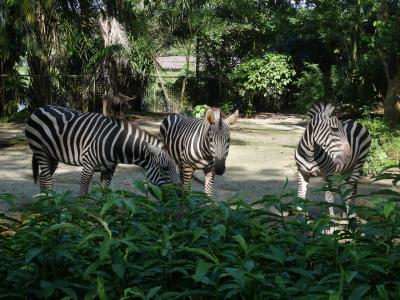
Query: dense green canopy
[[347, 52]]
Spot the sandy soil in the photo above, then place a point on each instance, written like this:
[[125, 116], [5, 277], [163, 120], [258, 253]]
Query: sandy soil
[[260, 159]]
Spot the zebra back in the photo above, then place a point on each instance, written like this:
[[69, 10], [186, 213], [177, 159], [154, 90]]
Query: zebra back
[[90, 139]]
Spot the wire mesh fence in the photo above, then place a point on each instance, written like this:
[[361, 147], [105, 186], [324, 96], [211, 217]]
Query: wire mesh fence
[[85, 92]]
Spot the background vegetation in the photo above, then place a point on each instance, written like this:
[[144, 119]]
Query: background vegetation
[[280, 55]]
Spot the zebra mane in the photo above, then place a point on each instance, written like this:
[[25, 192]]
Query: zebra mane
[[324, 108]]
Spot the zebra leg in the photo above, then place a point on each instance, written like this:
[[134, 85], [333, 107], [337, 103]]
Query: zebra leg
[[106, 177], [351, 188], [209, 174], [187, 173], [329, 196], [47, 169], [53, 166], [86, 177], [302, 183]]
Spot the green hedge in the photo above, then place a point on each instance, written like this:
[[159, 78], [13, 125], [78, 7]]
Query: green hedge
[[123, 245]]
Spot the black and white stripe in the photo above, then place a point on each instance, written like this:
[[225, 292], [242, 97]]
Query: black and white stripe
[[198, 144], [331, 146], [97, 143]]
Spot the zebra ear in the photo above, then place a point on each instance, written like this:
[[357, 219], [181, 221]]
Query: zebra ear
[[153, 150], [232, 118], [325, 108], [213, 115]]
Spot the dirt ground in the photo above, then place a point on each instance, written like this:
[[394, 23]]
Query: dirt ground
[[259, 161]]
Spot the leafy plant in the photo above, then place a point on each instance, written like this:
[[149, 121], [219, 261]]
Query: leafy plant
[[385, 145], [310, 87], [199, 110], [157, 245], [266, 78]]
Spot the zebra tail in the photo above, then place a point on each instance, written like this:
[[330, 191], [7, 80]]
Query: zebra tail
[[35, 168]]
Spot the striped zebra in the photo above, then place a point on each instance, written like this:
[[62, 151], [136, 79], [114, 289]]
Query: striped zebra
[[198, 144], [328, 147], [96, 143]]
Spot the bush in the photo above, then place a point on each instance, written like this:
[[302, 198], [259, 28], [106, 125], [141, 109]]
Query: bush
[[385, 145], [310, 88], [122, 245], [199, 110], [265, 78], [19, 117]]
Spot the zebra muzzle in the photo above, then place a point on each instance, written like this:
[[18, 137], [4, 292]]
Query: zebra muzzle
[[219, 167]]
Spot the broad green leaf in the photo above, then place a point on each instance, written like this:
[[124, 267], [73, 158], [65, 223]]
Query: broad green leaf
[[152, 292], [70, 292], [102, 222], [135, 291], [105, 247], [237, 274], [359, 292], [90, 269], [89, 237], [130, 204], [107, 206], [238, 238], [388, 209], [202, 253], [350, 276], [119, 269], [156, 192], [31, 253], [201, 270], [48, 288], [382, 292], [198, 233], [334, 295], [55, 227], [101, 292]]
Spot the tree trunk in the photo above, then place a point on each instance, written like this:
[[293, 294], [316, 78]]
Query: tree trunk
[[184, 81], [167, 101], [392, 100], [391, 64]]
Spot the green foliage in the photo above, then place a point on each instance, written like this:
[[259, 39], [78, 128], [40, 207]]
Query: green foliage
[[19, 117], [199, 110], [310, 87], [385, 145], [267, 78], [122, 245]]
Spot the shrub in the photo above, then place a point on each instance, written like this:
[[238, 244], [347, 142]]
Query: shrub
[[199, 110], [265, 78], [385, 145], [123, 245], [19, 117], [310, 88]]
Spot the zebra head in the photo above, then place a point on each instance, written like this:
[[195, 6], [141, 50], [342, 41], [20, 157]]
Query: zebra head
[[219, 137], [329, 133], [164, 169]]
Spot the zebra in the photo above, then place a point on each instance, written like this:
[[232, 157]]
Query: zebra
[[330, 146], [198, 144], [95, 142]]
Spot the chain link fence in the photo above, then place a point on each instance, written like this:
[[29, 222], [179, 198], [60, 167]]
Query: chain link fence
[[85, 92]]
